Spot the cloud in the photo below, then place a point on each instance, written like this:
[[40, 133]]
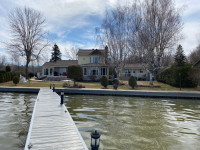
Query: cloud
[[72, 22], [191, 32]]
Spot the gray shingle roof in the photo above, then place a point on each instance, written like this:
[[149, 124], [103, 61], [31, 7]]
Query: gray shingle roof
[[133, 66], [94, 65], [86, 52], [61, 63]]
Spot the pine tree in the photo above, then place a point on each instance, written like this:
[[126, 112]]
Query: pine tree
[[179, 58], [56, 54]]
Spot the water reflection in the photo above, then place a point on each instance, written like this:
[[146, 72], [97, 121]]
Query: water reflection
[[137, 123], [16, 111]]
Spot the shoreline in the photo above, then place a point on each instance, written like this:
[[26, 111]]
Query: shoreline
[[110, 92]]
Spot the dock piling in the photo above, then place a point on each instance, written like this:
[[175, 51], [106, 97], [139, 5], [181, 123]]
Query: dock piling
[[61, 97], [53, 87]]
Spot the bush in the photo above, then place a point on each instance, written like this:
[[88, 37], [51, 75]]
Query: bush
[[104, 81], [75, 72], [30, 75], [8, 69], [1, 78], [115, 83], [9, 76], [110, 81], [6, 77], [2, 71], [16, 80], [132, 82], [175, 74]]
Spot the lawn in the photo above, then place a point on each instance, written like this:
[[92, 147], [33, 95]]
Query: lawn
[[97, 85]]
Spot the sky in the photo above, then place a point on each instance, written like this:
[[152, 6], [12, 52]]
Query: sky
[[72, 23]]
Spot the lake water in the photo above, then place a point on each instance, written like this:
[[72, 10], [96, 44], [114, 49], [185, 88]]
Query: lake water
[[138, 123], [124, 122], [15, 116]]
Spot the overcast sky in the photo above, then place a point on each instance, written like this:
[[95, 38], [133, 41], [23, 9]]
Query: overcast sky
[[72, 22]]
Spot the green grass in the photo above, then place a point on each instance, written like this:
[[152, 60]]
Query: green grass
[[97, 85]]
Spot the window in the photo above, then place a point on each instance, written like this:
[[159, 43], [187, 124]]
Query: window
[[46, 72], [127, 72], [51, 71], [90, 59], [83, 58], [95, 59], [141, 71], [103, 71], [134, 71], [93, 71], [84, 71]]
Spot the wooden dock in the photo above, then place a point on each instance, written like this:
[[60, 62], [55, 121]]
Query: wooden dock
[[52, 127]]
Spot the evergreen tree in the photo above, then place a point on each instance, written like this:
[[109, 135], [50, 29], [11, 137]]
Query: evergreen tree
[[180, 58], [56, 54]]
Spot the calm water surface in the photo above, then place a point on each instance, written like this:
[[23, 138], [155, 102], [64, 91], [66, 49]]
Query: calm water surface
[[138, 123], [15, 116]]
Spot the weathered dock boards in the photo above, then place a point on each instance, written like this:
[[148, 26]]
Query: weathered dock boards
[[52, 127]]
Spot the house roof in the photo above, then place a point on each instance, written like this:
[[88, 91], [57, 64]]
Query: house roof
[[86, 52], [61, 63], [95, 65], [133, 66]]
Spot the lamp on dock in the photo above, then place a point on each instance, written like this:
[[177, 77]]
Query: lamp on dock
[[53, 87], [95, 140], [62, 97]]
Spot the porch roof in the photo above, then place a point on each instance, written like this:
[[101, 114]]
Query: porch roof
[[61, 63], [95, 65]]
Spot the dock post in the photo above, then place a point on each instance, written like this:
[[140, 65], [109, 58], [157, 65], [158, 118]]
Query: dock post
[[61, 97], [53, 87], [50, 86], [95, 140]]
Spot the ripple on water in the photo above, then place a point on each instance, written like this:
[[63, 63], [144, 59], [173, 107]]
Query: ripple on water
[[137, 123], [15, 110]]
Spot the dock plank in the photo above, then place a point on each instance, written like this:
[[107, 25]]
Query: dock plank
[[52, 126]]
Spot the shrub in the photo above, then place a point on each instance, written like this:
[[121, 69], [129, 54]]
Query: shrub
[[6, 77], [9, 76], [16, 80], [75, 72], [1, 78], [115, 83], [104, 81], [110, 81], [175, 74], [30, 75], [8, 69], [2, 71], [132, 82]]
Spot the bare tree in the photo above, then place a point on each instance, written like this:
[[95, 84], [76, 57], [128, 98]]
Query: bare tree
[[115, 36], [72, 53], [194, 55], [160, 30], [28, 34], [15, 61], [3, 62], [147, 30]]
